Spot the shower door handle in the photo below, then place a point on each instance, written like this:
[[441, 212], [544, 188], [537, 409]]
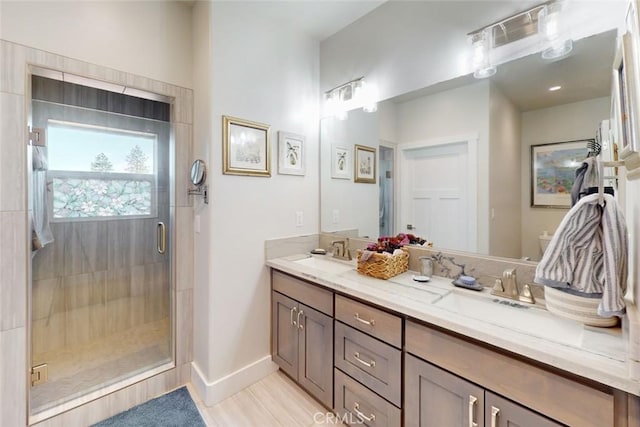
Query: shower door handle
[[161, 238]]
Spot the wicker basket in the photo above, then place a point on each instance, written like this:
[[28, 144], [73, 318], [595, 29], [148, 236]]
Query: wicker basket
[[382, 266]]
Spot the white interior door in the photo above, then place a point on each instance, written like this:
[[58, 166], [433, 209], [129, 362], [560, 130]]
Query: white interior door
[[438, 193]]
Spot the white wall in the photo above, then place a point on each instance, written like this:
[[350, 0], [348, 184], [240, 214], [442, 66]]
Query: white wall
[[265, 72], [504, 176], [356, 203], [148, 38], [567, 122], [455, 112]]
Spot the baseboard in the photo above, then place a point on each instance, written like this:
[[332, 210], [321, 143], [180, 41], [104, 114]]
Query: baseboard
[[218, 390]]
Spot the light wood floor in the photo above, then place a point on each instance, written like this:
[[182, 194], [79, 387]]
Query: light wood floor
[[273, 401]]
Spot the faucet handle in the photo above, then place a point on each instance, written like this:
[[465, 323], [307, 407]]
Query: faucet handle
[[526, 295], [498, 286]]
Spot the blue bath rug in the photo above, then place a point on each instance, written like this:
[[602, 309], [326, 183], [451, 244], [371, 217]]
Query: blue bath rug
[[174, 409]]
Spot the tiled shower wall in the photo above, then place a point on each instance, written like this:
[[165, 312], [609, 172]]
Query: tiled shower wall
[[84, 289], [14, 235]]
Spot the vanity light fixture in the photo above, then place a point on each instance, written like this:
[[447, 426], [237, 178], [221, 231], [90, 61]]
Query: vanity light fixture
[[482, 43], [543, 19], [347, 96], [551, 29]]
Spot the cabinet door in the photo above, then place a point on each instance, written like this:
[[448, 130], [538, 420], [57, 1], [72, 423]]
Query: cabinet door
[[284, 333], [500, 412], [315, 370], [436, 398]]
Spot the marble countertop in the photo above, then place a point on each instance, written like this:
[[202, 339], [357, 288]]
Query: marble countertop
[[598, 354]]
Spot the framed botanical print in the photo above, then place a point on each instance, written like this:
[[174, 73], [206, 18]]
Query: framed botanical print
[[365, 164], [340, 162], [291, 154]]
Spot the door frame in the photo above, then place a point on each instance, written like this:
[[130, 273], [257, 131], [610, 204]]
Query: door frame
[[471, 140]]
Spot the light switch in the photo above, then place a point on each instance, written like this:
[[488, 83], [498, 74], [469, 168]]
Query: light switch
[[299, 219]]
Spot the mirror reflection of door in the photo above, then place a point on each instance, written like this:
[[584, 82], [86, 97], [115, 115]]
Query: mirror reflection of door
[[438, 194], [386, 182]]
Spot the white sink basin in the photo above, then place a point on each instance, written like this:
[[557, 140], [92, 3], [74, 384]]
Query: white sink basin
[[515, 316], [326, 265]]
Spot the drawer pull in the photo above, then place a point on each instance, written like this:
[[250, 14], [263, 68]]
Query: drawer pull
[[300, 325], [371, 322], [494, 416], [472, 411], [363, 417], [293, 322], [371, 364]]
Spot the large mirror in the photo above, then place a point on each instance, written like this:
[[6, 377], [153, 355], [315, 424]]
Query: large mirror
[[454, 159]]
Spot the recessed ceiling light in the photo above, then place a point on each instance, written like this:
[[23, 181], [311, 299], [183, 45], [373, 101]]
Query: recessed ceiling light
[[554, 88]]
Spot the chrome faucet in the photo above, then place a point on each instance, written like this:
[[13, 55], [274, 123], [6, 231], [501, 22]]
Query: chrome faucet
[[507, 287], [340, 250]]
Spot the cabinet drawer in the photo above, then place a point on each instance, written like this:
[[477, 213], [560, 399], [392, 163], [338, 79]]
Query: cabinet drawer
[[358, 405], [373, 321], [306, 293], [375, 364]]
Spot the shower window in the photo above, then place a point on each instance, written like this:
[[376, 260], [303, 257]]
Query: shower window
[[97, 172]]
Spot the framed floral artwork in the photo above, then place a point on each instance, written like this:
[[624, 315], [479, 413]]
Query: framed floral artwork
[[340, 162], [291, 154], [245, 147], [365, 164]]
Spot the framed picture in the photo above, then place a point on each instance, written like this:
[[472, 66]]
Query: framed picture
[[245, 147], [365, 164], [291, 155], [625, 75], [553, 171], [340, 162]]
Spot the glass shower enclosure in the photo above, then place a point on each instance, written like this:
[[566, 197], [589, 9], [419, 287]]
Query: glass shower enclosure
[[99, 192]]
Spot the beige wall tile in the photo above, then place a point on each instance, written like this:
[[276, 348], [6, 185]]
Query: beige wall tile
[[13, 268], [182, 169], [48, 334], [48, 262], [183, 107], [13, 393], [84, 248], [13, 60], [47, 298], [184, 326], [13, 149], [184, 248]]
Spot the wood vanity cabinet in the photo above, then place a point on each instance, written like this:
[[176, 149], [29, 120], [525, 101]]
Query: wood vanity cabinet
[[448, 376], [435, 398], [302, 334]]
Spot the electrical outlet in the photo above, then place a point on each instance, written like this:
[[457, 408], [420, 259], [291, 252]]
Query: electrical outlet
[[335, 216], [299, 219]]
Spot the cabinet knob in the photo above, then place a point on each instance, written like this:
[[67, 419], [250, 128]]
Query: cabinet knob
[[300, 325], [293, 322]]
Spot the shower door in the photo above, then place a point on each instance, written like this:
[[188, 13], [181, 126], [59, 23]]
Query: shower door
[[101, 264]]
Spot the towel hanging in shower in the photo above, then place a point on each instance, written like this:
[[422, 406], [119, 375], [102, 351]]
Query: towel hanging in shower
[[41, 230]]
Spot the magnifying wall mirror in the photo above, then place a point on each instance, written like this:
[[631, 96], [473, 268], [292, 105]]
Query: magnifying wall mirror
[[198, 178], [198, 172]]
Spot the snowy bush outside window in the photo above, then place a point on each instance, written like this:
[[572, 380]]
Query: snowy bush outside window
[[100, 172]]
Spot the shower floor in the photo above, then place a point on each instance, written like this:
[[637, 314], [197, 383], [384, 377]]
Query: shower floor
[[77, 370]]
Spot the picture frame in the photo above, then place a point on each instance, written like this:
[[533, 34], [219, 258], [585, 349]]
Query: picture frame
[[365, 164], [246, 147], [626, 76], [553, 172], [340, 162], [291, 154]]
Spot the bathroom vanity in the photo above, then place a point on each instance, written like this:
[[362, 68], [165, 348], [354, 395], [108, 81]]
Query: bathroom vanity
[[397, 352]]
